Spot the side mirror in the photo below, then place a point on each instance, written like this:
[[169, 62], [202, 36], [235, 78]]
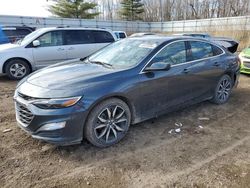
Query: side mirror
[[158, 66], [36, 43]]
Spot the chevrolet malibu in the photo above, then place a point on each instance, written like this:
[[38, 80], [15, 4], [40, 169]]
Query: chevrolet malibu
[[127, 82]]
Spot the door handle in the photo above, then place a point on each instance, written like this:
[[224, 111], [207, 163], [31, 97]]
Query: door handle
[[186, 71], [60, 49], [216, 64]]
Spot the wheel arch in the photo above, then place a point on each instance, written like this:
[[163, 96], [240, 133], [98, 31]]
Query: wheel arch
[[134, 118], [20, 58], [232, 75]]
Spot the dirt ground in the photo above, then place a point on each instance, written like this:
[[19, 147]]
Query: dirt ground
[[217, 154]]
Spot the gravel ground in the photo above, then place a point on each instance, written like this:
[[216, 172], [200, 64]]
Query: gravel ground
[[214, 152]]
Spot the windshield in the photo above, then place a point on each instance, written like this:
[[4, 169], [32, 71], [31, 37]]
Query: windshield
[[125, 53]]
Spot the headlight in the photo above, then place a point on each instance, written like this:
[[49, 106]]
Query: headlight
[[56, 103]]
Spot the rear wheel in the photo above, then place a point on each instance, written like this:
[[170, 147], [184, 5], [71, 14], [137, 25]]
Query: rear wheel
[[108, 123], [16, 69], [223, 90]]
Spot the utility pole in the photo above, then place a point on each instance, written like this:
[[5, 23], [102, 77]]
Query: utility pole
[[161, 13]]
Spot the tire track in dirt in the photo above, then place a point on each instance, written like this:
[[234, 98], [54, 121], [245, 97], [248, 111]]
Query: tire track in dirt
[[174, 175]]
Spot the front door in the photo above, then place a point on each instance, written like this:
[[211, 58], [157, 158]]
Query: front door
[[164, 90], [51, 50]]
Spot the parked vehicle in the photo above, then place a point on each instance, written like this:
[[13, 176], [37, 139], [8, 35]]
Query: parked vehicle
[[245, 61], [15, 33], [3, 38], [127, 82], [48, 46], [120, 35]]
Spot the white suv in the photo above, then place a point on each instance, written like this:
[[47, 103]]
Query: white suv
[[48, 46]]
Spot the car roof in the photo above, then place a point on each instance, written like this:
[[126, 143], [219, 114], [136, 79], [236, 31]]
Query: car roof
[[166, 38], [73, 28], [191, 34]]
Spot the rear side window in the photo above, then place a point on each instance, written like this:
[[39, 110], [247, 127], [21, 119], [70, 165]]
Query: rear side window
[[174, 54], [201, 50], [122, 35], [53, 38], [74, 37], [216, 50], [103, 37]]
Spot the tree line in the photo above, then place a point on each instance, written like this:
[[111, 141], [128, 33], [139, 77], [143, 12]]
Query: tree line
[[149, 10]]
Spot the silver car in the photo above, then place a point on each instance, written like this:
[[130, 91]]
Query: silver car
[[48, 46]]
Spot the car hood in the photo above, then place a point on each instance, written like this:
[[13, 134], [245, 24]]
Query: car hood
[[64, 79], [8, 46]]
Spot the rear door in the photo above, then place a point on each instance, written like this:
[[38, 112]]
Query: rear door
[[82, 43], [207, 67], [51, 49]]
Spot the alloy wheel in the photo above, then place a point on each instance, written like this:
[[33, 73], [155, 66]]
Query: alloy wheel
[[111, 123], [224, 90], [17, 70]]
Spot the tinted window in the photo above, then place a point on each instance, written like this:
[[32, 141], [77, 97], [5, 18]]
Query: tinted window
[[22, 32], [216, 50], [8, 33], [17, 32], [103, 37], [201, 50], [79, 37], [53, 38], [174, 54], [122, 35]]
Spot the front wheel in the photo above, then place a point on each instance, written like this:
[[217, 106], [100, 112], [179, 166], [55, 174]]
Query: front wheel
[[223, 90], [17, 69], [108, 123]]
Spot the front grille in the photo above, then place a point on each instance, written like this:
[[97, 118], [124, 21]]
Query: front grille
[[246, 64], [24, 115]]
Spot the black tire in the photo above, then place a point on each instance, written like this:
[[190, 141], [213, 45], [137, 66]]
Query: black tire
[[101, 122], [17, 69], [223, 90]]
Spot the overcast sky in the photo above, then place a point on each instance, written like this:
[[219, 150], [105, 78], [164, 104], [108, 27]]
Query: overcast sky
[[24, 8]]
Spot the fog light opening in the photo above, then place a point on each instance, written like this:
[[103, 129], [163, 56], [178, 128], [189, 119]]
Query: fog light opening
[[52, 126]]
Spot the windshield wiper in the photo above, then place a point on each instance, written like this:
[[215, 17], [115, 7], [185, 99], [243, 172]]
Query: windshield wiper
[[96, 62], [101, 63]]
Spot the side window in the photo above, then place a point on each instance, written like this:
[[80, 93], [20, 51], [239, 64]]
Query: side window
[[103, 37], [122, 35], [216, 50], [53, 38], [201, 50], [74, 37], [174, 54], [22, 32], [8, 33]]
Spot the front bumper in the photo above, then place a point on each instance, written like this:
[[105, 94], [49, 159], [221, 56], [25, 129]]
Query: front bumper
[[31, 118], [245, 65]]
